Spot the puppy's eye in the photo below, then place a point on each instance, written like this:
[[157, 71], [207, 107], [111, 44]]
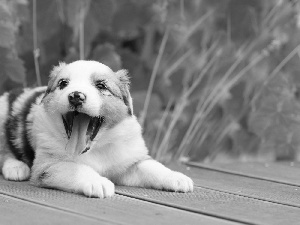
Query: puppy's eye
[[63, 83], [101, 86]]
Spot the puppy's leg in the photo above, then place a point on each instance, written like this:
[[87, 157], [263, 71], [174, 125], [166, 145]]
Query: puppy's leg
[[14, 169], [152, 174], [72, 177]]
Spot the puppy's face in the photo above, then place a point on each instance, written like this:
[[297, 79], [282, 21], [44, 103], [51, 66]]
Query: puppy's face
[[88, 95]]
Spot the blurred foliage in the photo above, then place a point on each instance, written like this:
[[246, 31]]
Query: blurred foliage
[[227, 85], [12, 70]]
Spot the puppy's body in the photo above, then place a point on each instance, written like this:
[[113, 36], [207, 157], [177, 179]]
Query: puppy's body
[[79, 134]]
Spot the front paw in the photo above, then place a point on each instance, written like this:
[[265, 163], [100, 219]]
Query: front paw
[[178, 182], [15, 170], [98, 187]]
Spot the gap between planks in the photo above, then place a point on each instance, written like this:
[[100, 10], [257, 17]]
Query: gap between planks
[[43, 211], [116, 208], [251, 187], [150, 200], [220, 205], [70, 212], [60, 209], [250, 174]]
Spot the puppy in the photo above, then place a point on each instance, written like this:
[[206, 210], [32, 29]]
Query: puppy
[[79, 135]]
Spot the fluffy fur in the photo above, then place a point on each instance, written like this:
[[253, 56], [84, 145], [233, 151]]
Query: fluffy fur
[[35, 144]]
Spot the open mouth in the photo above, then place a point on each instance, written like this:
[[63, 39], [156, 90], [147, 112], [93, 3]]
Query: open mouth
[[78, 125]]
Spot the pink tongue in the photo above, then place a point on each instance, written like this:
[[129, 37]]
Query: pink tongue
[[77, 142]]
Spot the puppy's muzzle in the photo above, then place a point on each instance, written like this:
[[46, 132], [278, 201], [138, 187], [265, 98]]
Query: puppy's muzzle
[[76, 98]]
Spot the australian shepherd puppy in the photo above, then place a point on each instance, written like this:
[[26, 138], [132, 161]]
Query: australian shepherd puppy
[[79, 135]]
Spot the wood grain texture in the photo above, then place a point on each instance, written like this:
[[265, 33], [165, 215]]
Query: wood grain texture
[[118, 209], [241, 185], [221, 205], [276, 172], [16, 211]]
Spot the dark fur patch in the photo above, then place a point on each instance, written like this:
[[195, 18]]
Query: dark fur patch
[[26, 110], [124, 86], [49, 89], [125, 100], [53, 78], [11, 123], [26, 153], [13, 95]]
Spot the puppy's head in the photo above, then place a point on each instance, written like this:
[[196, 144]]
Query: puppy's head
[[89, 94]]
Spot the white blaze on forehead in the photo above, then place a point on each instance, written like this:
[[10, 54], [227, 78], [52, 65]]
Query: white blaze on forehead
[[81, 69]]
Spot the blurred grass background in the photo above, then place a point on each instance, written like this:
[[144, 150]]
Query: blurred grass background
[[212, 81]]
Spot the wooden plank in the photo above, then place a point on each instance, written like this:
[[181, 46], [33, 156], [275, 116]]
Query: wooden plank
[[15, 211], [280, 173], [221, 205], [240, 185], [118, 209]]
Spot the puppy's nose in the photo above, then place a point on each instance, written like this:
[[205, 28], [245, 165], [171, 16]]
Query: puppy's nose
[[76, 98]]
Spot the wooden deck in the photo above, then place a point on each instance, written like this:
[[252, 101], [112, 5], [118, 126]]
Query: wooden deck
[[240, 193]]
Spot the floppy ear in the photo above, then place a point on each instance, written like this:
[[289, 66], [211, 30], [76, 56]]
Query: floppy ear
[[125, 85], [52, 78]]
